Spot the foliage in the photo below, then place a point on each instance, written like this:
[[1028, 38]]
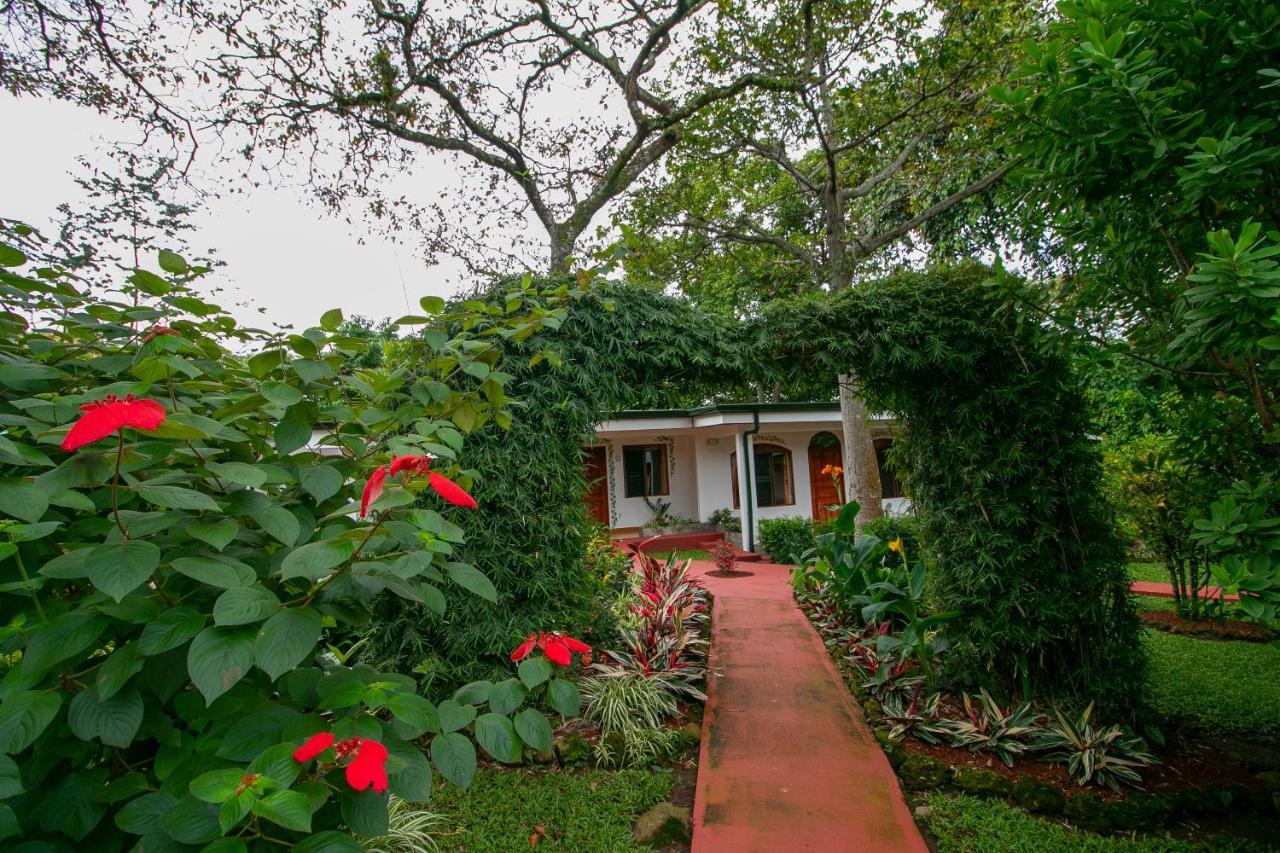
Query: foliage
[[640, 747], [1095, 754], [900, 526], [169, 588], [666, 643], [619, 700], [965, 824], [1005, 480], [590, 810], [915, 715], [1222, 687], [725, 520], [1006, 732], [786, 539], [1242, 536], [725, 555], [409, 830]]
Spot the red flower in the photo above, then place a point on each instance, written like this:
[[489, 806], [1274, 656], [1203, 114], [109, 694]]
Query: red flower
[[103, 417], [411, 465], [157, 331], [558, 647], [369, 767], [313, 746]]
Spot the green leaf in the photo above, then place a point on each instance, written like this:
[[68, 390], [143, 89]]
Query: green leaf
[[291, 435], [172, 262], [414, 711], [16, 453], [454, 715], [118, 568], [412, 782], [534, 729], [329, 841], [278, 522], [245, 606], [218, 658], [432, 304], [495, 733], [290, 809], [472, 580], [23, 501], [114, 721], [320, 481], [240, 473], [177, 497], [316, 559], [123, 664], [474, 692], [11, 257], [281, 394], [10, 778], [62, 637], [562, 695], [331, 319], [209, 571], [70, 809], [9, 825], [217, 786], [455, 758], [534, 671], [169, 630], [365, 812], [143, 816], [506, 696], [286, 639], [192, 822], [219, 534], [277, 763], [23, 716]]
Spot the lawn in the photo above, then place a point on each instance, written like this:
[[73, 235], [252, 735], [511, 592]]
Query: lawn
[[964, 824], [503, 809], [690, 554], [1152, 572], [1226, 686]]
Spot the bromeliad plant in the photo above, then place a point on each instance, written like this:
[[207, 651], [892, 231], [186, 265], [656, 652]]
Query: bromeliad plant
[[1095, 754], [181, 540], [988, 727]]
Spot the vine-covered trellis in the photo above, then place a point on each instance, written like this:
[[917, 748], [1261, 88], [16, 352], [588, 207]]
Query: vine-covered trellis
[[994, 430]]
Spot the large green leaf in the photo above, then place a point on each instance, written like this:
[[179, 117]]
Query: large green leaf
[[219, 534], [563, 695], [286, 639], [506, 696], [191, 821], [10, 778], [23, 500], [455, 758], [217, 786], [365, 812], [316, 559], [534, 671], [495, 733], [143, 816], [209, 571], [177, 497], [329, 841], [118, 568], [123, 664], [534, 729], [240, 473], [62, 637], [415, 712], [114, 721], [320, 481], [290, 809], [218, 658], [472, 580], [454, 715], [23, 716], [245, 605], [170, 629]]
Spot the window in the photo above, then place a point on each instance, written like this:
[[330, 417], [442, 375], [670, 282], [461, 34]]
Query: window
[[889, 485], [773, 481], [644, 468]]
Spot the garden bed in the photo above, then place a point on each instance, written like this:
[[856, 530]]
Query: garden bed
[[1227, 629]]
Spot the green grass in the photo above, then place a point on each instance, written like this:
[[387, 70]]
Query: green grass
[[964, 824], [691, 554], [588, 811], [1152, 572], [1225, 686]]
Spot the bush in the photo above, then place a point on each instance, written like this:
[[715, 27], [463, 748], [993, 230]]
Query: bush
[[889, 527], [725, 520], [618, 700], [178, 580], [786, 539]]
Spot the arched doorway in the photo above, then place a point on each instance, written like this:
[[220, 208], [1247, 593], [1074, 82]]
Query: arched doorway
[[824, 450]]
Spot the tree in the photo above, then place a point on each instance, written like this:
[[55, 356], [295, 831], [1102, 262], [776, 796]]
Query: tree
[[497, 85], [813, 188]]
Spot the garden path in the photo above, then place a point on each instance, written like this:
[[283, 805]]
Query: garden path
[[787, 761], [1165, 590]]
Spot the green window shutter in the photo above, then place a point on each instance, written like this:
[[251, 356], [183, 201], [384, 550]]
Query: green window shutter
[[633, 471]]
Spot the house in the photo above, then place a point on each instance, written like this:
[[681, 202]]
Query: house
[[758, 460]]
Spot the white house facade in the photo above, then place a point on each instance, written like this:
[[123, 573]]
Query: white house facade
[[758, 461]]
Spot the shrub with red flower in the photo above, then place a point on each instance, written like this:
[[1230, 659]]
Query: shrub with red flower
[[412, 466], [111, 414], [368, 758]]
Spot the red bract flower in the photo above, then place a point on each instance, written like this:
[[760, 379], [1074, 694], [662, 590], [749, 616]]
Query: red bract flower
[[452, 492], [313, 746], [103, 417], [526, 648], [369, 767], [556, 651], [446, 488]]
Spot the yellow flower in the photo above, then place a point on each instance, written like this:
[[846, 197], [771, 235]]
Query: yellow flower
[[896, 545]]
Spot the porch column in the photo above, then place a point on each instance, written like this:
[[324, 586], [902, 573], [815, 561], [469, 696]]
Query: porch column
[[748, 512]]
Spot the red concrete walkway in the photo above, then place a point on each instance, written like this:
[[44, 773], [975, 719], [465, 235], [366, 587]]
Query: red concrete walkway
[[787, 761], [1165, 590]]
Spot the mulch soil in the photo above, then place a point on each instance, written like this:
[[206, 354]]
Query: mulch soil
[[1227, 629], [730, 573]]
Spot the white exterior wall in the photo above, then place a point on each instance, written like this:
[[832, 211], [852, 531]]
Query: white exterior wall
[[682, 479]]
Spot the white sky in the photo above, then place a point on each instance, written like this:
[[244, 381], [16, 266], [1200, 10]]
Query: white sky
[[282, 254]]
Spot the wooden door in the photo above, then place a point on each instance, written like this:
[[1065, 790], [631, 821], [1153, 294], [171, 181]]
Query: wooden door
[[597, 496], [821, 486]]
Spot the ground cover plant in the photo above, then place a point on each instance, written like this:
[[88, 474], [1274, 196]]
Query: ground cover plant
[[197, 516]]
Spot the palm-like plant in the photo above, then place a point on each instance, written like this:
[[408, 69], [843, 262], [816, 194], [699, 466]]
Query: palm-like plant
[[1104, 756]]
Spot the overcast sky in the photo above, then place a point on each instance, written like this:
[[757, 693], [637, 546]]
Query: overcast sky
[[283, 255]]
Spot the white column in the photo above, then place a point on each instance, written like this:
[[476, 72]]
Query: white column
[[746, 470]]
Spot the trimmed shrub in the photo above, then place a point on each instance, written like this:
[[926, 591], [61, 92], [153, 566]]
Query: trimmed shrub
[[786, 539]]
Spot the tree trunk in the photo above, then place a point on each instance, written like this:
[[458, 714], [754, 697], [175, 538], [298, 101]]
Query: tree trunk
[[861, 473], [561, 244]]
